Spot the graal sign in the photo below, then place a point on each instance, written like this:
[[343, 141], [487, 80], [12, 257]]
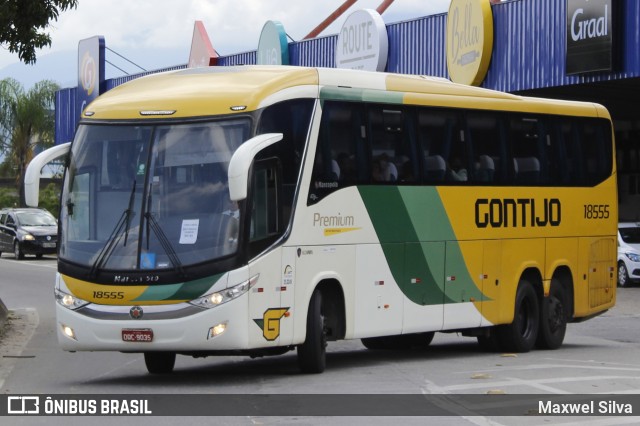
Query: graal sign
[[362, 42], [469, 40], [589, 36]]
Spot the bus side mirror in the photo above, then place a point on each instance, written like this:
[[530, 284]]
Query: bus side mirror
[[32, 175], [242, 160]]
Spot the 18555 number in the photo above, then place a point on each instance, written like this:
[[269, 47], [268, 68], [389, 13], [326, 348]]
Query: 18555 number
[[108, 294], [596, 211]]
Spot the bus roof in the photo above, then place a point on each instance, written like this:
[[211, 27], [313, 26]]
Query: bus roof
[[201, 92]]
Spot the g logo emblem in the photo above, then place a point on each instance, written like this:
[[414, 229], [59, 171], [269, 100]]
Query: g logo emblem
[[270, 323]]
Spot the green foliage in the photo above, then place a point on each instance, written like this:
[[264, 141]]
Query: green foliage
[[50, 199], [8, 198], [22, 24], [26, 120]]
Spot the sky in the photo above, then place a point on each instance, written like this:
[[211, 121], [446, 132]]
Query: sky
[[157, 33]]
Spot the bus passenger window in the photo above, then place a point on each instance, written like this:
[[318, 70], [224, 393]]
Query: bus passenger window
[[340, 151]]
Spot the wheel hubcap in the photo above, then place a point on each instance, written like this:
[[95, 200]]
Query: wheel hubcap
[[622, 275], [556, 314]]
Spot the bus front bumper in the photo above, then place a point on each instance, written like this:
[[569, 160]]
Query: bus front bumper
[[221, 328]]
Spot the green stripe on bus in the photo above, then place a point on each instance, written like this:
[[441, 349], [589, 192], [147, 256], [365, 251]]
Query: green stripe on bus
[[413, 229], [158, 292]]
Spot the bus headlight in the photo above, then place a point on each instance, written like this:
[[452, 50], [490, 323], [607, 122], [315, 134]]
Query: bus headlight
[[69, 301], [212, 300]]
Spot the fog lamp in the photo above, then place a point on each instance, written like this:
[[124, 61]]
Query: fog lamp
[[68, 331]]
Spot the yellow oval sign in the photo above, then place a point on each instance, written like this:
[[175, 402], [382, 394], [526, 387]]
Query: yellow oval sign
[[469, 40]]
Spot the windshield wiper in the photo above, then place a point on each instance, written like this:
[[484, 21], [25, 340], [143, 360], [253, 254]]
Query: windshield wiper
[[162, 238], [115, 236], [164, 242]]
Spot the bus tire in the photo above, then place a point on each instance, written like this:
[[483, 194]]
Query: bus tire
[[521, 334], [312, 354], [160, 362], [553, 317]]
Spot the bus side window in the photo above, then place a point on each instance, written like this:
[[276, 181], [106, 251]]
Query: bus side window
[[340, 151], [291, 118], [485, 134], [525, 143], [441, 138], [266, 214]]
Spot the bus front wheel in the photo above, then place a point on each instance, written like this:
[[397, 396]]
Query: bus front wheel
[[312, 354], [521, 334], [159, 362]]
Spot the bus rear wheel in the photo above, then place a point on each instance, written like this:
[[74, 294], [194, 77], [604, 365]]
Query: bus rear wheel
[[159, 362], [521, 334], [553, 318], [312, 354]]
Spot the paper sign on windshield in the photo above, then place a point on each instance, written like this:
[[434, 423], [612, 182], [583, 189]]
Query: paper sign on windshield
[[189, 231]]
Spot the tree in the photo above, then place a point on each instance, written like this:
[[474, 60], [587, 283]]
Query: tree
[[26, 120], [22, 24]]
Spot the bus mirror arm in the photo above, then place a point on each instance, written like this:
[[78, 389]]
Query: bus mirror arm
[[32, 175], [241, 161]]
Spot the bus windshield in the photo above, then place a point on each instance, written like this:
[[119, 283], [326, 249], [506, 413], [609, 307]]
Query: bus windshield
[[150, 197]]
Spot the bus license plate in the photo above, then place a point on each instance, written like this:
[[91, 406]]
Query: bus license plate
[[137, 335]]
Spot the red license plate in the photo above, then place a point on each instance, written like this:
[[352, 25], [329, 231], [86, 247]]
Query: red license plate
[[137, 335]]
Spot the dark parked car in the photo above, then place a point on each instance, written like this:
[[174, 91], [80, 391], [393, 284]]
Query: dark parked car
[[28, 231]]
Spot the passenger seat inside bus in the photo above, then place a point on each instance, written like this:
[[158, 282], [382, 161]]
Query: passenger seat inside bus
[[486, 169], [435, 168], [527, 170]]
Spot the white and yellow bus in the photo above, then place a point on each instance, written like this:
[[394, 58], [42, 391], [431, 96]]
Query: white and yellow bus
[[255, 210]]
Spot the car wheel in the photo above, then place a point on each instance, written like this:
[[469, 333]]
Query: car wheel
[[623, 275], [17, 251]]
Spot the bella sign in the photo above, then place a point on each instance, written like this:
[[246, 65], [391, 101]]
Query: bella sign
[[469, 40], [362, 42]]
